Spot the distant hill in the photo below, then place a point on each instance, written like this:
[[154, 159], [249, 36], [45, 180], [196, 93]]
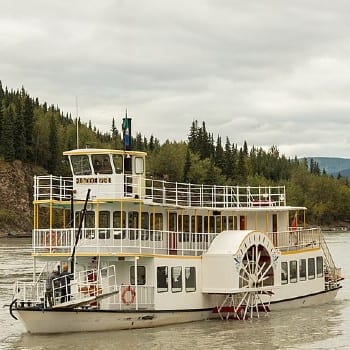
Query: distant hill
[[333, 166]]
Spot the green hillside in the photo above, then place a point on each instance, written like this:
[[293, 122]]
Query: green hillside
[[333, 166]]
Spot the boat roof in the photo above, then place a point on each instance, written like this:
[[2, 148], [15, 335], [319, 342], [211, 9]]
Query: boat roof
[[81, 151]]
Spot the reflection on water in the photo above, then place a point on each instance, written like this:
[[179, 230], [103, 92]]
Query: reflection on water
[[324, 327]]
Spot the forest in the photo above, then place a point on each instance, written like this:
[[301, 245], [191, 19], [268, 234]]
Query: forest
[[36, 133]]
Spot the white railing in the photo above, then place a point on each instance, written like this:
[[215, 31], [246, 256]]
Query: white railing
[[121, 241], [170, 193], [295, 239], [132, 297], [84, 285], [52, 187], [29, 293], [114, 241]]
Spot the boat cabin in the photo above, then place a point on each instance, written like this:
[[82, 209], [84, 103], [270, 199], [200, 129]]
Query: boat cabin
[[108, 173]]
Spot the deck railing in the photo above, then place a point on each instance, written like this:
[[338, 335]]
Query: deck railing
[[296, 238], [119, 241], [170, 193]]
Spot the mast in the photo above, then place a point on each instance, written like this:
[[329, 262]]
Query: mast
[[76, 107]]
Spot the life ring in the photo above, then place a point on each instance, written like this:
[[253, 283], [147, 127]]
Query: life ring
[[51, 239], [132, 295]]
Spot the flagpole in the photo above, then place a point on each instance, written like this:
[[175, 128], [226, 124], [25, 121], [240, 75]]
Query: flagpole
[[76, 108]]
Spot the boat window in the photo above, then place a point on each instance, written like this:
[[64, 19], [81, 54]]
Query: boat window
[[184, 225], [319, 265], [89, 223], [119, 224], [162, 279], [81, 165], [311, 268], [190, 279], [141, 275], [104, 224], [224, 223], [293, 271], [101, 164], [230, 223], [133, 225], [157, 226], [90, 219], [218, 224], [284, 272], [302, 269], [176, 279], [209, 226], [118, 163], [144, 226], [197, 228], [139, 167]]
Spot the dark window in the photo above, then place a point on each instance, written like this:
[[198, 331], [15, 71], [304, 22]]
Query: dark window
[[311, 268], [133, 225], [176, 279], [81, 165], [101, 164], [302, 269], [284, 272], [190, 279], [141, 275], [293, 271], [119, 224], [144, 226], [104, 224], [319, 263], [162, 279], [157, 226]]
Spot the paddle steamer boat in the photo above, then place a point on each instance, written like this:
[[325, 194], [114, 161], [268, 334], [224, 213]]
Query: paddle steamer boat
[[143, 252]]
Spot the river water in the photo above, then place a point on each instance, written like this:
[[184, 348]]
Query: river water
[[324, 327]]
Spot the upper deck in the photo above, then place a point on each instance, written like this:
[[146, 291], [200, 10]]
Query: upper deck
[[161, 192], [113, 175]]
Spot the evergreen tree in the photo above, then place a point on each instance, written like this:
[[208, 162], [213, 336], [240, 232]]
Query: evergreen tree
[[54, 156], [19, 136], [7, 135], [187, 166]]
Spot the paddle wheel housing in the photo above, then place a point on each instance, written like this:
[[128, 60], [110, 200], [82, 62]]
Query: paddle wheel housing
[[240, 266]]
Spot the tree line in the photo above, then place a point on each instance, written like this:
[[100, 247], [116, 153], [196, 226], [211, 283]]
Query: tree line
[[37, 134]]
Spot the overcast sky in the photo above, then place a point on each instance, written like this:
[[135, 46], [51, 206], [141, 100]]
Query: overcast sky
[[268, 72]]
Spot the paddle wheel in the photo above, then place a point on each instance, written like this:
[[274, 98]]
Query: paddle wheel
[[246, 284]]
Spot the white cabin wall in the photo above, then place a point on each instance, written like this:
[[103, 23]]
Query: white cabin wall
[[181, 300], [299, 288]]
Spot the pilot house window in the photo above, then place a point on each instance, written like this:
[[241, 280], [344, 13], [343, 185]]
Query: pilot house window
[[101, 164], [81, 165]]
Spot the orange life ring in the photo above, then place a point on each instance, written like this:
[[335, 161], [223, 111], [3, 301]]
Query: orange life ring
[[51, 239], [132, 295]]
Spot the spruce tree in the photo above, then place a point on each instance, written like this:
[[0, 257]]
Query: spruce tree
[[7, 135], [52, 164]]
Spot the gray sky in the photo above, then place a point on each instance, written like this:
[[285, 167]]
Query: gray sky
[[268, 72]]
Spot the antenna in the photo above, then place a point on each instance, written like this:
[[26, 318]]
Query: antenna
[[76, 106]]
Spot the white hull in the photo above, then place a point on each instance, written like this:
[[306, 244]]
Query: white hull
[[58, 321], [306, 301], [87, 321]]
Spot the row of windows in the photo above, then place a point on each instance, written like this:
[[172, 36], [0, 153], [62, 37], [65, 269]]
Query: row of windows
[[154, 221], [177, 279], [307, 270], [101, 164]]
